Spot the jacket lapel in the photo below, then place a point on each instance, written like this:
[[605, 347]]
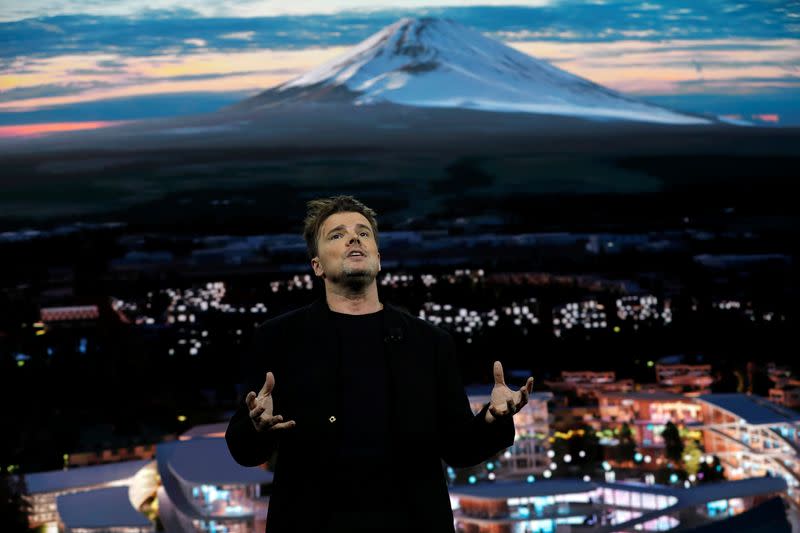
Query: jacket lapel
[[320, 370]]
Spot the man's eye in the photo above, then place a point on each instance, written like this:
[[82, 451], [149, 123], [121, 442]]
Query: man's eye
[[365, 233], [336, 235]]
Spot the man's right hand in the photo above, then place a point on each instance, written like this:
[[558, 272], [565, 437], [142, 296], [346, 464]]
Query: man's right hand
[[260, 406]]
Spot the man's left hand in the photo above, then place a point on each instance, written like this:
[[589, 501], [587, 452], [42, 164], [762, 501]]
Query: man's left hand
[[504, 401]]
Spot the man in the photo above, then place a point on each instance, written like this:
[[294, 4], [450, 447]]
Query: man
[[361, 400]]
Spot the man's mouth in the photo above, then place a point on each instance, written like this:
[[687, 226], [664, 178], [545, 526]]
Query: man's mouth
[[356, 253]]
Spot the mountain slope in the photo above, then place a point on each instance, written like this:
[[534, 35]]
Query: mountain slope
[[432, 62]]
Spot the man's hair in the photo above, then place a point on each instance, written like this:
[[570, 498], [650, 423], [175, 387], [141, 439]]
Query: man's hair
[[320, 209]]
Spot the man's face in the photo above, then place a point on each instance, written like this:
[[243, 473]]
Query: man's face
[[347, 251]]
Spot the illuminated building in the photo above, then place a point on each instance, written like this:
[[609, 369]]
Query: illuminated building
[[787, 396], [587, 384], [647, 413], [528, 454], [687, 379], [753, 437], [573, 505], [203, 488], [132, 481]]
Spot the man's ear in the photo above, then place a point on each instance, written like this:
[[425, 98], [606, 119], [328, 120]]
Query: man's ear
[[379, 261], [317, 267]]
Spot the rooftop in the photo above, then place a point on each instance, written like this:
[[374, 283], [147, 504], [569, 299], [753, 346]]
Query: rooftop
[[82, 477], [753, 409], [207, 461], [101, 508]]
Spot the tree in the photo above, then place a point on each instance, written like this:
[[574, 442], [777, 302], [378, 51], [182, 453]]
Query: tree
[[692, 456], [13, 507], [673, 442], [711, 471], [626, 448], [591, 445]]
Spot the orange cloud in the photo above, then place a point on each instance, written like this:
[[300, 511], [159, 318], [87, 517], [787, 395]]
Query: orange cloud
[[37, 130], [768, 117]]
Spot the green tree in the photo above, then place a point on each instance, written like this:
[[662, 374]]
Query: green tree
[[692, 455]]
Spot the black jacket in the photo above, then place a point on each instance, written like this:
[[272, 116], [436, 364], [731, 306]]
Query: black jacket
[[430, 416]]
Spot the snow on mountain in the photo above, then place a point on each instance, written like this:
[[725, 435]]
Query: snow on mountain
[[432, 62]]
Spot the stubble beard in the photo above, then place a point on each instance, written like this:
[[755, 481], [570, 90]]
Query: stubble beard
[[355, 279]]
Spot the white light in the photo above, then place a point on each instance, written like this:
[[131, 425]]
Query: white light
[[491, 476], [582, 453], [568, 458], [553, 466], [551, 454], [547, 474], [587, 478], [647, 458]]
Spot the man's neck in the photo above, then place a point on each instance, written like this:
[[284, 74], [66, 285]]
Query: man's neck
[[361, 303]]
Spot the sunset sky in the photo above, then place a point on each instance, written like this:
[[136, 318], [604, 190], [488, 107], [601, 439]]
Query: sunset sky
[[69, 62]]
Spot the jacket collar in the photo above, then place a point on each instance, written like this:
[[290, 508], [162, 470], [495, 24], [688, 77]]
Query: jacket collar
[[319, 319]]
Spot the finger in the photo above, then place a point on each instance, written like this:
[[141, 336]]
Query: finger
[[524, 397], [516, 396], [283, 425], [529, 385], [250, 400], [498, 374], [269, 383], [256, 412], [264, 421]]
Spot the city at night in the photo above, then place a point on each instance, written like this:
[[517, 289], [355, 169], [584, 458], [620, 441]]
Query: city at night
[[468, 267]]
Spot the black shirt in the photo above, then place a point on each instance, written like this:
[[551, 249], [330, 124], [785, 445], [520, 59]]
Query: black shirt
[[366, 497]]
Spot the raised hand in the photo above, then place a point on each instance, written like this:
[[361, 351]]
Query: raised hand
[[504, 401], [260, 406]]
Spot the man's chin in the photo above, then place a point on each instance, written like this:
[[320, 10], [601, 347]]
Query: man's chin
[[356, 279]]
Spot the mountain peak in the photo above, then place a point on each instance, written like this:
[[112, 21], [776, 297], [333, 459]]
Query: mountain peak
[[434, 62]]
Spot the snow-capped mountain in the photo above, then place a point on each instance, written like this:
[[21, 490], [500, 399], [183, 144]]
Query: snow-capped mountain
[[431, 62]]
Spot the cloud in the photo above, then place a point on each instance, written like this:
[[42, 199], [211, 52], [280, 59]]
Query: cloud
[[239, 36], [155, 32], [242, 9], [40, 91], [187, 48], [130, 108], [50, 28]]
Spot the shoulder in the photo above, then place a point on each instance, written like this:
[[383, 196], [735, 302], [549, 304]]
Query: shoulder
[[281, 323], [416, 325]]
